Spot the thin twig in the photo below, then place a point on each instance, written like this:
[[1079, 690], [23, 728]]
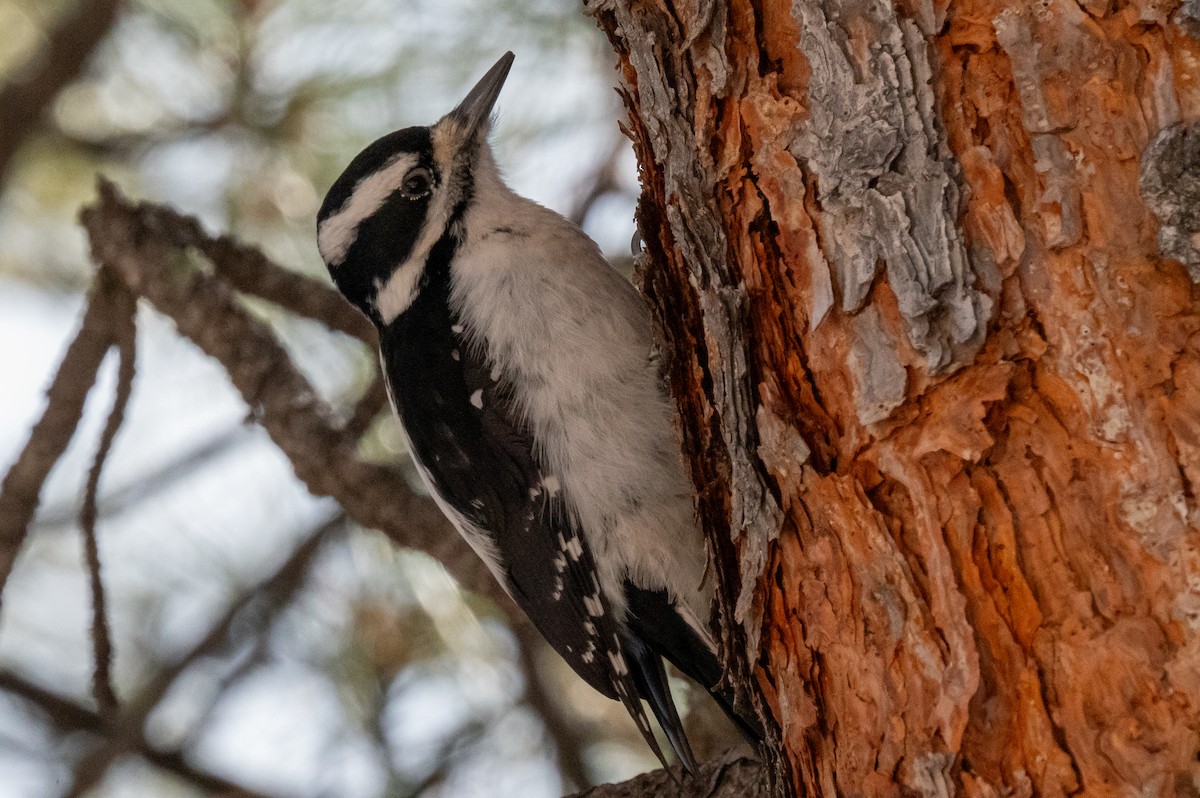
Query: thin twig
[[367, 408], [68, 716], [128, 146], [123, 319], [175, 762], [604, 181], [22, 486], [151, 482], [128, 729], [257, 654]]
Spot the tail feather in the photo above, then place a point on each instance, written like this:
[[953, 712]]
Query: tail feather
[[651, 680], [657, 623]]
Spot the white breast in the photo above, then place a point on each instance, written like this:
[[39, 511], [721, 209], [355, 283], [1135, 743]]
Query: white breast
[[574, 339]]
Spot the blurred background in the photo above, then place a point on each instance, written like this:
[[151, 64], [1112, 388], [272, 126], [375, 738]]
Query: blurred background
[[371, 674]]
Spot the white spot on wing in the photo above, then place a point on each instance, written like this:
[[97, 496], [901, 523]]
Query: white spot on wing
[[618, 663], [456, 329], [594, 606], [454, 354], [551, 484], [477, 399], [495, 375], [574, 548]]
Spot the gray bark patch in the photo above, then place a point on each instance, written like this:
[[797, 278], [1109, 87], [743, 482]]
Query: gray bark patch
[[1170, 184], [887, 184], [1188, 17]]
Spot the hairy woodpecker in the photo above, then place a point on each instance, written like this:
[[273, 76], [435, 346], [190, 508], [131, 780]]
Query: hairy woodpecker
[[519, 363]]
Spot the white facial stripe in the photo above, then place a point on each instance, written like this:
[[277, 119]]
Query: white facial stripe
[[399, 291], [337, 233], [401, 288]]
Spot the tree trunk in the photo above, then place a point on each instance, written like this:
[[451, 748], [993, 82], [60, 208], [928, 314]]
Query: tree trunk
[[938, 364]]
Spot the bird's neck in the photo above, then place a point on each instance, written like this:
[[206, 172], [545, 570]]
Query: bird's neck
[[425, 342]]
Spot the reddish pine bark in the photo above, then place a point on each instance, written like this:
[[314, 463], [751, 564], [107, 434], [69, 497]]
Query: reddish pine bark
[[938, 364]]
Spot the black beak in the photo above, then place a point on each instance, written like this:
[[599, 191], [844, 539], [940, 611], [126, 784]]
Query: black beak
[[476, 108]]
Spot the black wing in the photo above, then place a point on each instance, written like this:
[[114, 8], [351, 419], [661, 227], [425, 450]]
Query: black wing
[[478, 456]]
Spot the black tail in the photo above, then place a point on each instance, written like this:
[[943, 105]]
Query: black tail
[[657, 630], [646, 666]]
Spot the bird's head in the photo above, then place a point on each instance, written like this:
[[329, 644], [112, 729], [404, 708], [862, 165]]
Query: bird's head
[[399, 197]]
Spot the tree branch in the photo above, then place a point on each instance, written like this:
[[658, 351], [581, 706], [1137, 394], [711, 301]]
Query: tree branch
[[49, 438], [731, 776], [124, 310], [368, 408], [127, 730], [248, 270], [68, 716]]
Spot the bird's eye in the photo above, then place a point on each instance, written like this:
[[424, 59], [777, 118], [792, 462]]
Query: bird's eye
[[417, 183]]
